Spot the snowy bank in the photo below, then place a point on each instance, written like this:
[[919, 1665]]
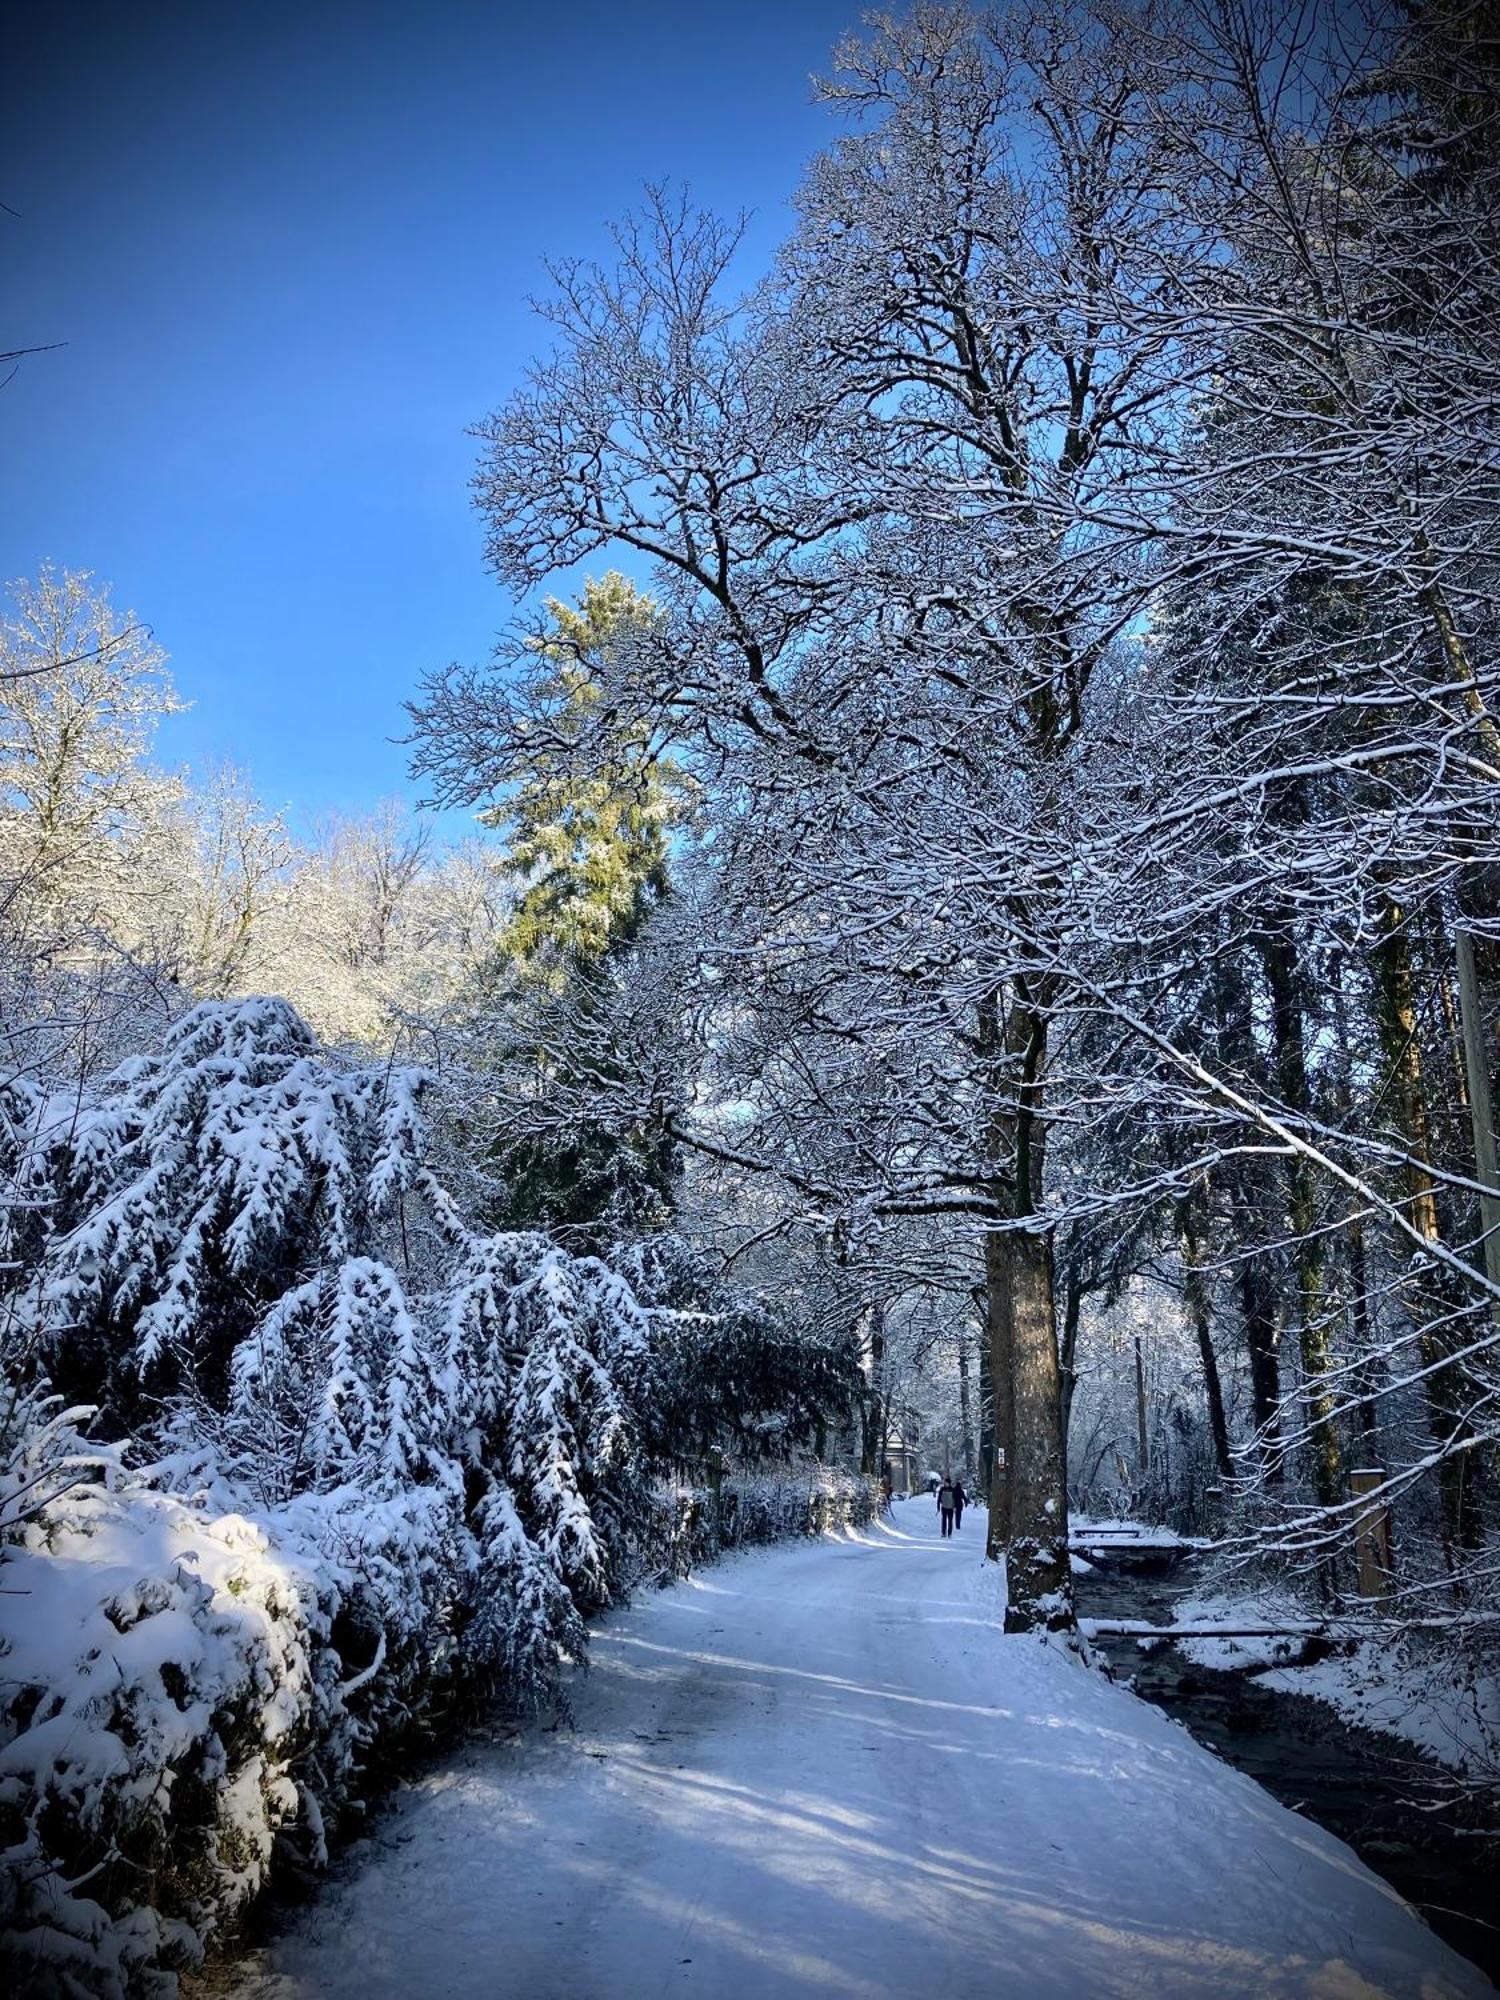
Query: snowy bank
[[1443, 1697]]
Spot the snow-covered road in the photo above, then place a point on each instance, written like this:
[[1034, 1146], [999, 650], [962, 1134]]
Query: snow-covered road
[[822, 1770]]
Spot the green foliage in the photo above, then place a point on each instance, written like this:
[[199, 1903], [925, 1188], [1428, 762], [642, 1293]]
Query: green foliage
[[591, 849], [589, 823], [730, 1369]]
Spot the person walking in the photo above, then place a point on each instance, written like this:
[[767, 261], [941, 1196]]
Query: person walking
[[960, 1501], [945, 1504]]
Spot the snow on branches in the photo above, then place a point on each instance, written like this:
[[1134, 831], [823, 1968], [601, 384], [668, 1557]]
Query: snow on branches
[[370, 1455]]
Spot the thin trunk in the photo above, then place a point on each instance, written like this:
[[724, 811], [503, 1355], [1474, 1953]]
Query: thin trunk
[[965, 1404], [1142, 1435], [1456, 654], [1368, 1376], [1481, 1106], [1368, 1369], [1250, 1189], [1196, 1293], [1262, 1342], [872, 1428], [986, 1399], [1446, 1384], [1283, 976], [1072, 1311], [997, 1327]]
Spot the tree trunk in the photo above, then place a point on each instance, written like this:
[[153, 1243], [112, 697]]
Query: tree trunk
[[1196, 1293], [1262, 1343], [997, 1328], [1314, 1339], [1446, 1384], [986, 1398], [1251, 1189], [965, 1403], [1040, 1593], [1368, 1371], [1368, 1374], [1142, 1433], [1481, 1107], [1072, 1311], [872, 1426], [1029, 1497]]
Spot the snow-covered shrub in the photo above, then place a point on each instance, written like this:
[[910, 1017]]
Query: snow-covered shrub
[[732, 1368], [370, 1461], [771, 1505], [680, 1525], [177, 1693], [43, 1450], [196, 1187]]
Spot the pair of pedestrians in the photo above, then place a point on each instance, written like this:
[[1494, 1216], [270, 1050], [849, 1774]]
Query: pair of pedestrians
[[951, 1501]]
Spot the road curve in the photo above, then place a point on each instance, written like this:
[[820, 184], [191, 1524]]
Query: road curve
[[823, 1771]]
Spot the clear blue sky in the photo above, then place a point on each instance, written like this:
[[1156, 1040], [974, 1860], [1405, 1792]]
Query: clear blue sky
[[289, 247]]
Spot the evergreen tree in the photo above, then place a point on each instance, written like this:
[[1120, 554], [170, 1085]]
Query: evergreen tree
[[589, 810], [588, 847]]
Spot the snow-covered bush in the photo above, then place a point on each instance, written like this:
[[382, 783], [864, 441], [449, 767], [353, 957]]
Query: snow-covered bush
[[369, 1462], [768, 1506], [680, 1525], [731, 1367], [179, 1689], [43, 1451], [195, 1188]]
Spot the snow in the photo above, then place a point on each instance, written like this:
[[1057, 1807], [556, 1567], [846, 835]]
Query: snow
[[1268, 1608], [1380, 1684], [825, 1771], [1389, 1690], [1085, 1531]]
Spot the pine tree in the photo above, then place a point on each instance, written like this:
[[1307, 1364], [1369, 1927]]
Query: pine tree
[[589, 848]]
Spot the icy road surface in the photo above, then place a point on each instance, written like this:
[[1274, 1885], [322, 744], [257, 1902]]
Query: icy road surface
[[824, 1770]]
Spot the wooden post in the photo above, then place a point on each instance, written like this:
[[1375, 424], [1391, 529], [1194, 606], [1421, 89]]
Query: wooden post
[[1372, 1535], [1481, 1110]]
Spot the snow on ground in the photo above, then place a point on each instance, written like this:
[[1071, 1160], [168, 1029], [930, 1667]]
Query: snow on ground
[[1110, 1533], [1386, 1685], [1456, 1721], [825, 1771], [1270, 1608]]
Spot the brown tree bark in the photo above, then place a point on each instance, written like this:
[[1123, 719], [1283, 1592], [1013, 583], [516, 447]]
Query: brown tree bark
[[1196, 1293], [1039, 1594], [1396, 1007], [1314, 1322], [1029, 1499]]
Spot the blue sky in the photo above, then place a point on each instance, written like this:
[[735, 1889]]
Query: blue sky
[[289, 248]]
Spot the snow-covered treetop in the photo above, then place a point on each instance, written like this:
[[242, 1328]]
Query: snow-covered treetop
[[194, 1184]]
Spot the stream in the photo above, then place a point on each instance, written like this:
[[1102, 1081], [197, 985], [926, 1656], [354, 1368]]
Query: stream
[[1374, 1792]]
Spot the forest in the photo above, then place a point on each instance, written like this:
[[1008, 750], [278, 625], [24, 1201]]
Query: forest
[[978, 953]]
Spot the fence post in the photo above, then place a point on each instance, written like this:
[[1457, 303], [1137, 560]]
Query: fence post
[[1372, 1535], [716, 1488]]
